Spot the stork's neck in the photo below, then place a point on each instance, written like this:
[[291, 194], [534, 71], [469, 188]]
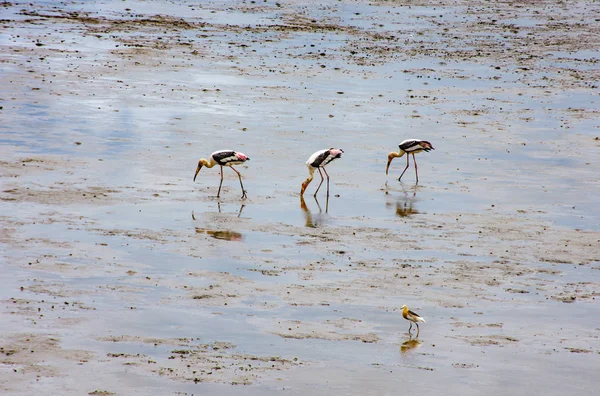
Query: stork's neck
[[207, 163], [311, 174], [398, 154], [306, 182]]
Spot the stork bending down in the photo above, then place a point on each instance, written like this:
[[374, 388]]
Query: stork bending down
[[409, 146], [318, 161], [224, 158]]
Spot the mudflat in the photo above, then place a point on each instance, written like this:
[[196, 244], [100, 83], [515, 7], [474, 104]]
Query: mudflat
[[122, 276]]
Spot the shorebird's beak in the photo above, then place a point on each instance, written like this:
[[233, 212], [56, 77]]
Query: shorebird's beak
[[390, 158], [198, 170]]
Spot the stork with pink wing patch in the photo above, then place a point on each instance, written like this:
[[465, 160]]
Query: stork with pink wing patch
[[409, 146], [318, 161], [224, 158]]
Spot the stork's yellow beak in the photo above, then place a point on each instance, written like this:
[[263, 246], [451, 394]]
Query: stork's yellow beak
[[390, 158], [303, 189], [198, 170]]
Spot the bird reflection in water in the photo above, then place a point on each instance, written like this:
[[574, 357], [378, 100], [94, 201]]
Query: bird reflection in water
[[225, 235], [239, 212], [219, 207], [405, 204], [314, 220], [410, 344]]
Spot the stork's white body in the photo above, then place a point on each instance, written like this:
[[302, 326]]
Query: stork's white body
[[409, 146], [319, 160]]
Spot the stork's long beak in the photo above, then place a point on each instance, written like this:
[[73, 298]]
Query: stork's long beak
[[390, 158], [303, 204], [198, 170]]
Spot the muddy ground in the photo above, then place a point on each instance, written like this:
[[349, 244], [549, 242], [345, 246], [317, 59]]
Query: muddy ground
[[122, 276]]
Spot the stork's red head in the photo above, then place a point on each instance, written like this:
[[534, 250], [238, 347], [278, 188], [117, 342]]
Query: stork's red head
[[242, 156], [426, 145], [336, 152]]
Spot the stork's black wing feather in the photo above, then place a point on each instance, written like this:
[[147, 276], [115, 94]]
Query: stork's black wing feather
[[411, 145], [324, 158], [225, 156]]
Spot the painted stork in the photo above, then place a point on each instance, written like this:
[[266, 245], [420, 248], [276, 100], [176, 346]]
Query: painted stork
[[224, 158], [412, 318], [409, 146], [318, 161]]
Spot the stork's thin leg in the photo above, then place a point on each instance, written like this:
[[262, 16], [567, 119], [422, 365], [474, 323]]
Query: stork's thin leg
[[416, 171], [318, 205], [410, 328], [327, 174], [220, 184], [241, 184], [320, 173], [418, 330], [407, 164]]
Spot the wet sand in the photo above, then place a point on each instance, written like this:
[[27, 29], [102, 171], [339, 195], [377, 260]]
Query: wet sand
[[122, 276]]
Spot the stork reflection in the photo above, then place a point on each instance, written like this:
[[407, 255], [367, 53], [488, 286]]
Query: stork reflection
[[405, 204], [239, 211], [317, 219], [225, 235]]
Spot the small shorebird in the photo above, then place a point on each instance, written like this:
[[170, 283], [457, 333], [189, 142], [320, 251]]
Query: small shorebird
[[412, 318], [409, 146], [224, 158], [318, 161]]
